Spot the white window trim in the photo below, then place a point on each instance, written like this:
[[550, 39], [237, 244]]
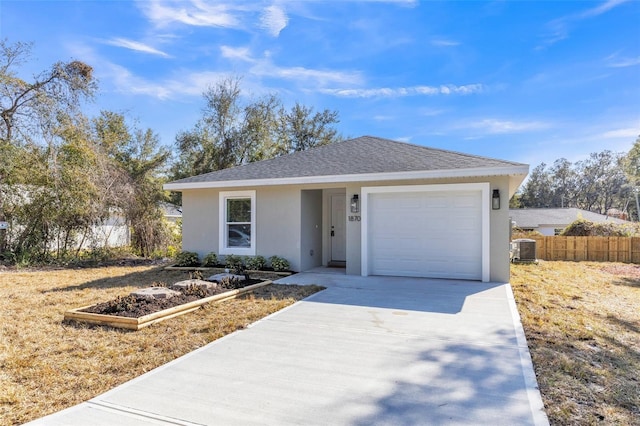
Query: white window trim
[[482, 187], [222, 223]]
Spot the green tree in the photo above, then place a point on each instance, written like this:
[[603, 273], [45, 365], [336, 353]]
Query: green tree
[[304, 130], [236, 130], [54, 205], [537, 190], [631, 164], [30, 112], [563, 183], [597, 184], [137, 163], [601, 181]]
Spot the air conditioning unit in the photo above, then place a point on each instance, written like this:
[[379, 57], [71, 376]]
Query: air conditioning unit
[[523, 250]]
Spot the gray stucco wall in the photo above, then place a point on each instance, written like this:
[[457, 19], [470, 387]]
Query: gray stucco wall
[[200, 221], [287, 217], [311, 229], [277, 222]]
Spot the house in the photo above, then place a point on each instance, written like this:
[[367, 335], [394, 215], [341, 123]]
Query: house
[[376, 206], [550, 221], [171, 212], [112, 231]]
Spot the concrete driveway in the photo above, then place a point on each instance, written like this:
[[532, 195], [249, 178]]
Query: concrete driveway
[[368, 350]]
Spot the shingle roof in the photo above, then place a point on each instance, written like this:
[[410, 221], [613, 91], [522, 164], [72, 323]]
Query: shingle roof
[[363, 155], [532, 218]]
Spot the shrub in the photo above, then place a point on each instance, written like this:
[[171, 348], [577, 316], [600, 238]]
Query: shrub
[[210, 259], [519, 233], [231, 283], [255, 263], [585, 228], [234, 263], [187, 258], [194, 290], [121, 304], [279, 263]]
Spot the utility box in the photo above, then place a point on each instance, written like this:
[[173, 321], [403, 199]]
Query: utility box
[[523, 251]]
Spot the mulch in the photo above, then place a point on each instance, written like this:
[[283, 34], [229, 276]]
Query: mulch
[[135, 307]]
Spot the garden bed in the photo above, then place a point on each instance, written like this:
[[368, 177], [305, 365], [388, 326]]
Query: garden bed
[[145, 312], [218, 269]]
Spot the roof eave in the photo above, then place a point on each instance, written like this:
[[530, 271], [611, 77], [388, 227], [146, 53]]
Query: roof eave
[[517, 173]]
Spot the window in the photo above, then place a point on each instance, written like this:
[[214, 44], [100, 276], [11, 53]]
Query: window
[[237, 222]]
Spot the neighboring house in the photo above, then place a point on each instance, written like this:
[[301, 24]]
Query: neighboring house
[[553, 221], [377, 206], [171, 212], [110, 232]]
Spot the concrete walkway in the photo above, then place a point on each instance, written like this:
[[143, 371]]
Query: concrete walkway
[[368, 350]]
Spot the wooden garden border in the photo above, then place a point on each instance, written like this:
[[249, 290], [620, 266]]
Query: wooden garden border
[[146, 320]]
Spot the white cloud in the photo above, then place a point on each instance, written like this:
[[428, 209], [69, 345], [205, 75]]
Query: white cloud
[[264, 67], [628, 133], [191, 12], [273, 19], [241, 53], [318, 78], [622, 62], [386, 92], [126, 82], [431, 112], [406, 139], [559, 29], [441, 42], [137, 46], [495, 126], [600, 9], [239, 15]]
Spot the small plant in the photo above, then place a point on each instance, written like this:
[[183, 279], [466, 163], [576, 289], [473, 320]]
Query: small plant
[[159, 284], [279, 263], [232, 283], [210, 259], [234, 263], [187, 258], [194, 290], [121, 304], [256, 263], [195, 275]]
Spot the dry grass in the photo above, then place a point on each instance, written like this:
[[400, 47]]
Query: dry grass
[[46, 365], [582, 322]]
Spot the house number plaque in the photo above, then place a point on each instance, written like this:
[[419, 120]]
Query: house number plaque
[[354, 218]]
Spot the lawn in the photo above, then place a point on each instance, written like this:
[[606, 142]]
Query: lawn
[[582, 322], [47, 365]]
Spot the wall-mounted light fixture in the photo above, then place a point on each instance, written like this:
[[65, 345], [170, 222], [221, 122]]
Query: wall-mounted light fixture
[[495, 200], [355, 204]]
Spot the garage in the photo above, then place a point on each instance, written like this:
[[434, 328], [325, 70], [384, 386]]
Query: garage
[[435, 231]]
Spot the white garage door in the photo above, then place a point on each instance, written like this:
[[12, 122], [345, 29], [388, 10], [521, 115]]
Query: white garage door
[[436, 234]]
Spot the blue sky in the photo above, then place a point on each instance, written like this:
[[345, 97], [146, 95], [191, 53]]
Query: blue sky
[[517, 80]]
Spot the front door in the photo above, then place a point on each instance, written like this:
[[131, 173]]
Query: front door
[[338, 228]]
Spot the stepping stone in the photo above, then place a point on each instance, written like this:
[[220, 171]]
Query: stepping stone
[[155, 293], [219, 277], [198, 283]]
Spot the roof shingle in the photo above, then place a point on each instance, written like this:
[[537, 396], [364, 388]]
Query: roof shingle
[[533, 218], [361, 155]]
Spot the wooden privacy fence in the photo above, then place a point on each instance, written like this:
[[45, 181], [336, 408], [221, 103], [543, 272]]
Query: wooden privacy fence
[[598, 249]]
